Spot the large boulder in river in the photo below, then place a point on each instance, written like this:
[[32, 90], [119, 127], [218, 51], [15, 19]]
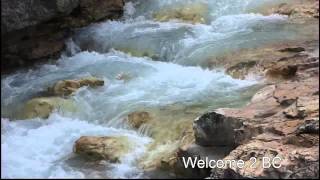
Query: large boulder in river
[[43, 107], [68, 87], [102, 148]]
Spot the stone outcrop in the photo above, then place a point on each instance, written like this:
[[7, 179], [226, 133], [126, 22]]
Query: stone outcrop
[[35, 31], [69, 87], [18, 14], [95, 10], [102, 148], [280, 61], [44, 106], [280, 121]]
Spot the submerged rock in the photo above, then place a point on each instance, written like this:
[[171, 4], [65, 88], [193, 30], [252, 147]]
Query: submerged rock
[[91, 81], [102, 148], [240, 69], [68, 87], [123, 76], [136, 119], [65, 87], [43, 107], [140, 52], [194, 13]]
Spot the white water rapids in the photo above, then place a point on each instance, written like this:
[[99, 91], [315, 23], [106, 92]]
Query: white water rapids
[[174, 74]]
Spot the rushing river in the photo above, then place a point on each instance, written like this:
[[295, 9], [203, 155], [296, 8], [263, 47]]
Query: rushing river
[[167, 65]]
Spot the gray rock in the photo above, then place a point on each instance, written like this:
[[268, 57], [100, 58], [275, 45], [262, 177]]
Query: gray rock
[[34, 31], [310, 126], [17, 14], [215, 129]]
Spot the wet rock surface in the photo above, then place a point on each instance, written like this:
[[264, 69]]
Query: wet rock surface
[[102, 148], [136, 119], [57, 98], [69, 87], [42, 107]]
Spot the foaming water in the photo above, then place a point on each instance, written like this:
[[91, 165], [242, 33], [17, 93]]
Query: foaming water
[[185, 43], [47, 144], [151, 84], [216, 8], [37, 148]]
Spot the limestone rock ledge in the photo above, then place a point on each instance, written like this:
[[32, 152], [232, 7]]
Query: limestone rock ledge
[[281, 121]]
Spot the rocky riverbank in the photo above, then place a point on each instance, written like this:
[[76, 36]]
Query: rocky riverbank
[[281, 120], [35, 31]]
